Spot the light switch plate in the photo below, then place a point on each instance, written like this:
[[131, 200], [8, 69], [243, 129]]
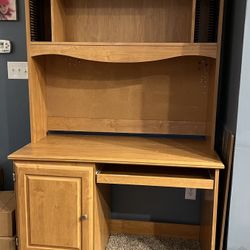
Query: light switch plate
[[190, 194], [17, 70]]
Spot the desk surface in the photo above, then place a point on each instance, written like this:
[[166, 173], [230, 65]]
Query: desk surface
[[121, 150]]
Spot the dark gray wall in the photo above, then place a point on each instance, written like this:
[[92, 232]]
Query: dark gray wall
[[230, 67], [14, 112], [154, 204]]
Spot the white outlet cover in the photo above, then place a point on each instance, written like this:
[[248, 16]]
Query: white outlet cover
[[17, 70], [190, 194]]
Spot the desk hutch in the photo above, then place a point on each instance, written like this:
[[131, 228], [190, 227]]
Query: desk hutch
[[122, 92]]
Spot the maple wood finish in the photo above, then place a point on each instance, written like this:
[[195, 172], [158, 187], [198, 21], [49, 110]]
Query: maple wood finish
[[209, 215], [128, 66], [216, 72], [161, 178], [52, 199], [166, 95], [88, 103], [122, 150], [122, 21], [123, 52], [193, 20], [190, 232], [102, 206]]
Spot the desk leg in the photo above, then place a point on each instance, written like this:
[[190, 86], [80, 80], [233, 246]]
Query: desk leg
[[209, 215], [101, 216]]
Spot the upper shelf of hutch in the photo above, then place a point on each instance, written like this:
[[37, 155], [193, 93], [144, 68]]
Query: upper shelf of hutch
[[123, 52], [192, 153]]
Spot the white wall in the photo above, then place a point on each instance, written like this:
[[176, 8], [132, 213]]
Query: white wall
[[239, 218]]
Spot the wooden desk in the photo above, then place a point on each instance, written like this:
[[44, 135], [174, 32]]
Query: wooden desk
[[64, 180]]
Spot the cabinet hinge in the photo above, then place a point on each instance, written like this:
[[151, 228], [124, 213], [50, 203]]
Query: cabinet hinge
[[14, 176], [17, 241]]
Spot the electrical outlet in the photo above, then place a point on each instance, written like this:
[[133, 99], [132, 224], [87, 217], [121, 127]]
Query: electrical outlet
[[190, 194], [17, 70], [5, 46]]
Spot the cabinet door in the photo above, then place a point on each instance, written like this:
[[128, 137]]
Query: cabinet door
[[55, 206]]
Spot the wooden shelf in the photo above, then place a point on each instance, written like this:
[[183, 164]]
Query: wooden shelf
[[163, 177], [123, 52], [122, 150]]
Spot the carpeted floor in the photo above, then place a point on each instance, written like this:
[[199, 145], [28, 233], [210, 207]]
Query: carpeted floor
[[128, 242]]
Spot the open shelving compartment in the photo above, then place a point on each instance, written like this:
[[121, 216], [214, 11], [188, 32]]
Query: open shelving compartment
[[112, 230], [171, 96], [124, 31], [121, 21], [140, 21]]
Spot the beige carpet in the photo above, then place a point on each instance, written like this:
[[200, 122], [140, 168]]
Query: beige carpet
[[126, 242]]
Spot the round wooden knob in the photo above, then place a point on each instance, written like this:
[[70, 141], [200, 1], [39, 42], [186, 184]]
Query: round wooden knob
[[84, 217]]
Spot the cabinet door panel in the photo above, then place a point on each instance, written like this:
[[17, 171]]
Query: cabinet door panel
[[51, 200], [54, 206]]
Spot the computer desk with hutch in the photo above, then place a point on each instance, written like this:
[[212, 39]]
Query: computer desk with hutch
[[120, 71]]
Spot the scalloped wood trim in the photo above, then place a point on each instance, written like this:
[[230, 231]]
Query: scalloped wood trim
[[124, 53]]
